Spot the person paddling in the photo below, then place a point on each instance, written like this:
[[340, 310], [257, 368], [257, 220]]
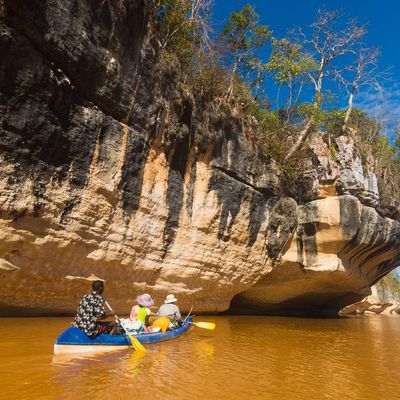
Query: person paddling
[[91, 311]]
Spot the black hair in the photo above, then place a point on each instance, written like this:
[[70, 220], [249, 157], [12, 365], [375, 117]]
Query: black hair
[[97, 285]]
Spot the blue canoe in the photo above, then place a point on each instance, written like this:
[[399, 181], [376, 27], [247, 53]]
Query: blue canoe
[[73, 340]]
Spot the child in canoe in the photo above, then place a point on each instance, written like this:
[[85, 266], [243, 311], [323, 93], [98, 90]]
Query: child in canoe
[[139, 317]]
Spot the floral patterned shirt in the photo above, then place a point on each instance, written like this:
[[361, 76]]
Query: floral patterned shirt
[[91, 309]]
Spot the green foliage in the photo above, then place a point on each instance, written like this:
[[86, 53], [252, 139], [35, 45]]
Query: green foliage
[[179, 33], [367, 128], [382, 146], [239, 69], [287, 61], [332, 121], [208, 79], [386, 155], [245, 36], [306, 109], [333, 152], [243, 32], [390, 284], [269, 129]]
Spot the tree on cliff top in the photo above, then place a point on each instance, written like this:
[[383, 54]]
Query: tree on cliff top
[[329, 39], [364, 72], [289, 66], [245, 37], [305, 65], [184, 27]]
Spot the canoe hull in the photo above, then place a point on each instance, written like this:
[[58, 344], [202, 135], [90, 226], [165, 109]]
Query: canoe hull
[[71, 349], [73, 340]]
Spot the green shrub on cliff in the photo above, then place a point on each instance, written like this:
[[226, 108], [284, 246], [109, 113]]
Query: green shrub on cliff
[[332, 121], [243, 39], [183, 28], [232, 68], [389, 287], [378, 152], [178, 30]]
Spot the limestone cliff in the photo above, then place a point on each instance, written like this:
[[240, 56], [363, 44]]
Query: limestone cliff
[[384, 299], [112, 168]]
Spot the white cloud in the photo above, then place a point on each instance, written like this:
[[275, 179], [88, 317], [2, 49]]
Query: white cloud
[[385, 108]]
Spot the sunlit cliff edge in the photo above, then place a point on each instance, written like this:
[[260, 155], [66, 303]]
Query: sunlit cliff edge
[[111, 168]]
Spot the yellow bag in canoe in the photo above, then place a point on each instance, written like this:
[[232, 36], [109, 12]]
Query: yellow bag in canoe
[[162, 322]]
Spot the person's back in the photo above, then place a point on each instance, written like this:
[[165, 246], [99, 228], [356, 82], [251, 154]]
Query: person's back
[[170, 310], [140, 313], [91, 310], [138, 319]]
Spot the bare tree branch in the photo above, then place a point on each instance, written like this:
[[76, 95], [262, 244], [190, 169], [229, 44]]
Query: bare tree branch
[[328, 41], [363, 73]]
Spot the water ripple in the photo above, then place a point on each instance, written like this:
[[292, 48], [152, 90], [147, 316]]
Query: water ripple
[[244, 358]]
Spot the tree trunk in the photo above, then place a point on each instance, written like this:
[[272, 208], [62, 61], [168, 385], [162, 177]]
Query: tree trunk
[[301, 139], [305, 131], [348, 112], [232, 81]]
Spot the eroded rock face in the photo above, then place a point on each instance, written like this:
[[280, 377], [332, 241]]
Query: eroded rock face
[[111, 168], [376, 303], [339, 248]]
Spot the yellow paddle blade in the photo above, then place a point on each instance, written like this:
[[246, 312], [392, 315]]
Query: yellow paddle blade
[[205, 325], [136, 344]]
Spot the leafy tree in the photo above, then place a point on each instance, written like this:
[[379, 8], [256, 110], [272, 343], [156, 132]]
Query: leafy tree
[[289, 66], [184, 27], [244, 37], [308, 58], [332, 120], [368, 129]]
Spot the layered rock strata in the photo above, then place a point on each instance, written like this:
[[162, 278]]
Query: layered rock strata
[[374, 304], [112, 168]]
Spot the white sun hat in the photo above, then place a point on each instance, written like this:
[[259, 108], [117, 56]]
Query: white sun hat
[[170, 299]]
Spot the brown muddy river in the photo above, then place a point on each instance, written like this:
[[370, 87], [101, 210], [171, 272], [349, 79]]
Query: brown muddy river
[[244, 358]]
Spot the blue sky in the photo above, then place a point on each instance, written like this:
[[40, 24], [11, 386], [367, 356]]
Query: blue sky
[[383, 18]]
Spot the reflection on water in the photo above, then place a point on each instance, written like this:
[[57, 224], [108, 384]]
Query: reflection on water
[[244, 358]]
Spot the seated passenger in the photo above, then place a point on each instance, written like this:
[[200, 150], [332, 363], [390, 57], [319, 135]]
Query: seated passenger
[[139, 317], [91, 312], [170, 310]]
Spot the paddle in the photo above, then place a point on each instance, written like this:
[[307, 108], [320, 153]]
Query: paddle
[[135, 343], [187, 316], [205, 325]]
